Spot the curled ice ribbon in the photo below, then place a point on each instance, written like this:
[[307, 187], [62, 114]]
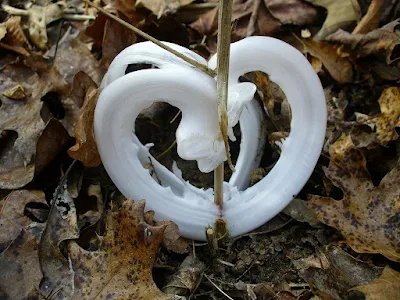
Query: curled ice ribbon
[[176, 82]]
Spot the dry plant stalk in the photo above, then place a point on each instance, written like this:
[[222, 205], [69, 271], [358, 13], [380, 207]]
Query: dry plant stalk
[[223, 48]]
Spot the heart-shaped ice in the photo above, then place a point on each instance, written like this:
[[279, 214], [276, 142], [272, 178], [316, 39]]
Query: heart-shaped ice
[[124, 96]]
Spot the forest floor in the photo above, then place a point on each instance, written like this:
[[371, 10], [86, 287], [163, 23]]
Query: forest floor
[[66, 232]]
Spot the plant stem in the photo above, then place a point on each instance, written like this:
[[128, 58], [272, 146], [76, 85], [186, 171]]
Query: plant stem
[[218, 185], [223, 48], [191, 61]]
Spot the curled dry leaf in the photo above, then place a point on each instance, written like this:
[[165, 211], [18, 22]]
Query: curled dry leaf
[[371, 20], [172, 238], [85, 149], [122, 266], [12, 214], [380, 41], [17, 92], [61, 225], [187, 278], [14, 38], [162, 7], [332, 272], [367, 216], [386, 287], [339, 67], [341, 14]]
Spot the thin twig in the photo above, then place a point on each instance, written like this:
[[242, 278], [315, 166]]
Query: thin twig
[[58, 41], [176, 116], [166, 151], [217, 287], [191, 61]]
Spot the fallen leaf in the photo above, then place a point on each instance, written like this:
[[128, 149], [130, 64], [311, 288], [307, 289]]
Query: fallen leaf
[[332, 272], [340, 68], [274, 100], [53, 140], [39, 18], [386, 123], [386, 287], [292, 12], [3, 30], [74, 56], [16, 92], [206, 24], [20, 270], [249, 17], [14, 38], [22, 122], [85, 149], [116, 38], [367, 216], [371, 19], [341, 14], [391, 72], [299, 211], [21, 126], [91, 217], [12, 214], [121, 268], [61, 225], [162, 7], [187, 278], [382, 41], [172, 238]]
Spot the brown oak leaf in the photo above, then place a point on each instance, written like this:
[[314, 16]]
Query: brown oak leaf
[[121, 268], [340, 68], [386, 287], [14, 38], [367, 216], [381, 41]]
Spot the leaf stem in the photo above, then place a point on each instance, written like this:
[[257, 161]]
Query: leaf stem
[[191, 61]]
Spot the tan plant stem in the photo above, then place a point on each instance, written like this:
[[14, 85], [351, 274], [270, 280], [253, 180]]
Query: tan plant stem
[[223, 48], [193, 62]]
